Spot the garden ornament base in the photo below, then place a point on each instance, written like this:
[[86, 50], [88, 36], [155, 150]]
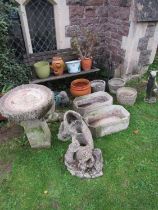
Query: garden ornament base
[[94, 101], [107, 120], [81, 159], [27, 105]]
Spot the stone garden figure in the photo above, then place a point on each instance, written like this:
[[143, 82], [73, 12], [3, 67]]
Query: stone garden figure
[[81, 159], [152, 88]]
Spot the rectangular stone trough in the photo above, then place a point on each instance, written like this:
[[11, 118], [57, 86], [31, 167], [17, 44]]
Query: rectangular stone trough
[[107, 120], [91, 102]]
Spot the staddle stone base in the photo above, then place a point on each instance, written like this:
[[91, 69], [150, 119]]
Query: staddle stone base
[[38, 133]]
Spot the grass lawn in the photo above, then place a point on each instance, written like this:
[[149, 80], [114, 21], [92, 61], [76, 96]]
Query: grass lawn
[[38, 180]]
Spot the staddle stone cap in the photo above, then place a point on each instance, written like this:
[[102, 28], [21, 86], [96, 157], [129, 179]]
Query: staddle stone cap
[[26, 102]]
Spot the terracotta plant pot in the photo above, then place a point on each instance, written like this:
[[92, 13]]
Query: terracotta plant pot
[[58, 66], [80, 87], [86, 64], [126, 95], [42, 69]]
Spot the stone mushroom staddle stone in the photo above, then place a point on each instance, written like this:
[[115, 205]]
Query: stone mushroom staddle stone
[[27, 105]]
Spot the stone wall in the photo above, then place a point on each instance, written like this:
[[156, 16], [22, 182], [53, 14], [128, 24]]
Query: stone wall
[[127, 31], [107, 18], [141, 43]]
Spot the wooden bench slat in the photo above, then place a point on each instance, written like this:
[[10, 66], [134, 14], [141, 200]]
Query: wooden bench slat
[[67, 75]]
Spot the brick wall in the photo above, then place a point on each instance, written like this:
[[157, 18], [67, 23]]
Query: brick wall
[[108, 18]]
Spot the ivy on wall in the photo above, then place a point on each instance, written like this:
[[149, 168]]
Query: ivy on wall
[[11, 71]]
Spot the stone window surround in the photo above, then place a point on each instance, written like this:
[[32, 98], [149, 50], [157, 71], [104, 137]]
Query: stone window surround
[[61, 15]]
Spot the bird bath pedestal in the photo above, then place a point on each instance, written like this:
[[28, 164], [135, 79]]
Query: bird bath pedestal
[[27, 105]]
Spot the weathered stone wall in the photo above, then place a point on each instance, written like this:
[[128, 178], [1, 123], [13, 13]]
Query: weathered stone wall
[[141, 43], [107, 18], [127, 31]]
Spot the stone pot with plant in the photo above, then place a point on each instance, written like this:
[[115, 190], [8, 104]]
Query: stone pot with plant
[[84, 45]]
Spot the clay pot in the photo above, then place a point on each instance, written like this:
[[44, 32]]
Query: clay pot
[[58, 66], [86, 64], [42, 69], [80, 87]]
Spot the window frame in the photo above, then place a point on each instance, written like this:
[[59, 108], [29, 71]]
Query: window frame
[[62, 19]]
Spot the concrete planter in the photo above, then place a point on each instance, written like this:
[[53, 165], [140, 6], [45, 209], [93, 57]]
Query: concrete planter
[[115, 84], [126, 96], [98, 85], [92, 102], [74, 66], [107, 120]]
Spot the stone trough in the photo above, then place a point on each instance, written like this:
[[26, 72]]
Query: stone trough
[[94, 101], [107, 120]]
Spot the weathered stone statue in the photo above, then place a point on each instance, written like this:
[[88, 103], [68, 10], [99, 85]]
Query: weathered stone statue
[[81, 159], [152, 88], [62, 99]]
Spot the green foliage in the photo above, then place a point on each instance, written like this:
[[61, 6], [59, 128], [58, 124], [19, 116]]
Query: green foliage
[[11, 70]]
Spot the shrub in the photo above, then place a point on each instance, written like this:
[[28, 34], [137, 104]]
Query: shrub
[[11, 70]]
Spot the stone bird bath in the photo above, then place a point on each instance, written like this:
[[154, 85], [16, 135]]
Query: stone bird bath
[[27, 105]]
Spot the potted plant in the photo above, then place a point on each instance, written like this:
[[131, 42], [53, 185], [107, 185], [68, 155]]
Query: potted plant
[[84, 45], [4, 90]]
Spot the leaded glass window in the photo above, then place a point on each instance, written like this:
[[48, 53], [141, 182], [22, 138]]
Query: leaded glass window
[[40, 15]]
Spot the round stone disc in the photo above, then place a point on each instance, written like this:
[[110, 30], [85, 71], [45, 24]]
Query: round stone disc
[[26, 102]]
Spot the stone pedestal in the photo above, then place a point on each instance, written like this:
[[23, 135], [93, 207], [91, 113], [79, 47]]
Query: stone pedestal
[[38, 133]]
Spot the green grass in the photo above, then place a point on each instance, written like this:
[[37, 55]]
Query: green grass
[[130, 180]]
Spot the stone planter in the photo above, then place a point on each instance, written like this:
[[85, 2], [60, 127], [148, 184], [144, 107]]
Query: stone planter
[[92, 102], [115, 84], [107, 120], [98, 85], [126, 96]]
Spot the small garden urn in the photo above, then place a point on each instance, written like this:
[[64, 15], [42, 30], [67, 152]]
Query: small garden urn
[[58, 66]]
